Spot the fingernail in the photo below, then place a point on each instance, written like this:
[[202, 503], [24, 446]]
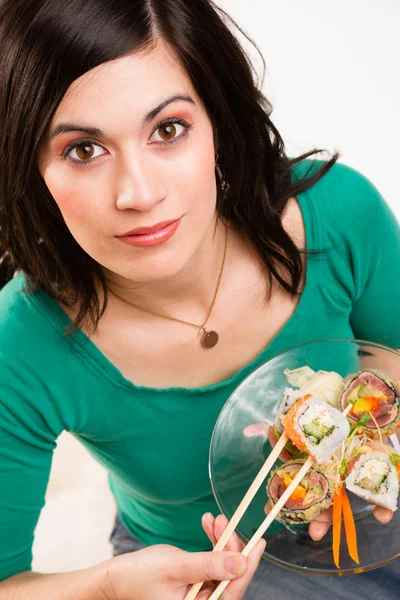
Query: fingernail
[[317, 534], [236, 565]]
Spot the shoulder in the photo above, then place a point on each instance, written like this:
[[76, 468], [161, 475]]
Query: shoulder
[[348, 205], [14, 308], [343, 191], [17, 312], [342, 195], [339, 175], [356, 230], [25, 331], [32, 364]]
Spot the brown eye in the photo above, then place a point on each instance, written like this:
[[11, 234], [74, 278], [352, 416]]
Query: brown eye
[[84, 151], [167, 132]]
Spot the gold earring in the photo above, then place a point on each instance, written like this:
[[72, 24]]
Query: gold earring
[[225, 187]]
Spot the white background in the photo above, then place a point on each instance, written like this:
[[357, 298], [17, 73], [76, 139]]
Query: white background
[[333, 72], [333, 77]]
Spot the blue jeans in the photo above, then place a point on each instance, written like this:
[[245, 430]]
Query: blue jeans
[[274, 583]]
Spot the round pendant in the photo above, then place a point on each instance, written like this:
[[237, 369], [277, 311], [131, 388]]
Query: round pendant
[[209, 339]]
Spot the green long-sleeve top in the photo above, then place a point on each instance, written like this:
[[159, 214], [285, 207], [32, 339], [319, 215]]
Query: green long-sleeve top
[[155, 442]]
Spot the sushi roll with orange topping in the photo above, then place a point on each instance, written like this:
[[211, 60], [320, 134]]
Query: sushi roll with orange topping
[[374, 394], [316, 427], [289, 398]]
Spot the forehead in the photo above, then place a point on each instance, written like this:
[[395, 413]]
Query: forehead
[[133, 82]]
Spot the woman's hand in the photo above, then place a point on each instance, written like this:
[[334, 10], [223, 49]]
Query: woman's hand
[[320, 527], [214, 528], [166, 573]]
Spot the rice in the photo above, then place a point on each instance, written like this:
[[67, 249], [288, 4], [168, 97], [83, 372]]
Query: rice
[[378, 465], [320, 418]]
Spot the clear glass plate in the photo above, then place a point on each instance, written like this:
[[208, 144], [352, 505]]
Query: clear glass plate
[[235, 460]]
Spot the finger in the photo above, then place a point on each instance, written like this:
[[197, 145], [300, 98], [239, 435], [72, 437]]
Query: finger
[[284, 455], [383, 515], [206, 591], [320, 526], [207, 523], [256, 430], [237, 588], [234, 544], [317, 528], [194, 567]]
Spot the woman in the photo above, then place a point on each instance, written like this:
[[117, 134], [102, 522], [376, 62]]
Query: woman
[[148, 206]]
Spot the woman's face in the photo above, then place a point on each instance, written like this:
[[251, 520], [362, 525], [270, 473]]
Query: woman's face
[[131, 148]]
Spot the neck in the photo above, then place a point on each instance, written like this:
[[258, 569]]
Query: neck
[[189, 293]]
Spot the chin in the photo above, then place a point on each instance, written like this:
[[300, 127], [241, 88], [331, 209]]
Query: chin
[[154, 264], [151, 272]]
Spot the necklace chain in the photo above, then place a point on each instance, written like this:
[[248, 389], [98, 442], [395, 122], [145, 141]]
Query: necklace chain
[[201, 328]]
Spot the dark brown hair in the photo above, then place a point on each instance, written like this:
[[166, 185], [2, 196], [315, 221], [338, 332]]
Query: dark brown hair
[[46, 45]]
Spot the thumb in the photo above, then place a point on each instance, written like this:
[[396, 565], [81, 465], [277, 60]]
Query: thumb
[[257, 430], [209, 566]]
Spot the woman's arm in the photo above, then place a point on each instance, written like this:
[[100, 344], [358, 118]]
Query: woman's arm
[[88, 584], [155, 572]]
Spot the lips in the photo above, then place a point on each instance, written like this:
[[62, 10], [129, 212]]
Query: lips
[[149, 230], [151, 236]]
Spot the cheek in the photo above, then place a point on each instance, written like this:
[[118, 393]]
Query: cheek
[[204, 183], [76, 197], [196, 174]]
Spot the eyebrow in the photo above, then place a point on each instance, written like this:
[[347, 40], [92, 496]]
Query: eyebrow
[[94, 131]]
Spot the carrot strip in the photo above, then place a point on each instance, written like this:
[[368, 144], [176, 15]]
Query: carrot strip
[[337, 523], [350, 528]]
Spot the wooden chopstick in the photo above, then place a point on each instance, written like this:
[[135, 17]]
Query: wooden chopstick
[[243, 506], [267, 522], [274, 512]]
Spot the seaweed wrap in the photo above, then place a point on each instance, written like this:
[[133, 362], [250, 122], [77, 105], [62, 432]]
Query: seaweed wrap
[[309, 499], [373, 393]]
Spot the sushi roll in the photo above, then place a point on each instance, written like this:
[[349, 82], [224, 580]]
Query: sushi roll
[[289, 398], [316, 427], [293, 452], [309, 499], [371, 392], [373, 477]]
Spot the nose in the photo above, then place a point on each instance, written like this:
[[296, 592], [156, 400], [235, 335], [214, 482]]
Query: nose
[[139, 185]]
